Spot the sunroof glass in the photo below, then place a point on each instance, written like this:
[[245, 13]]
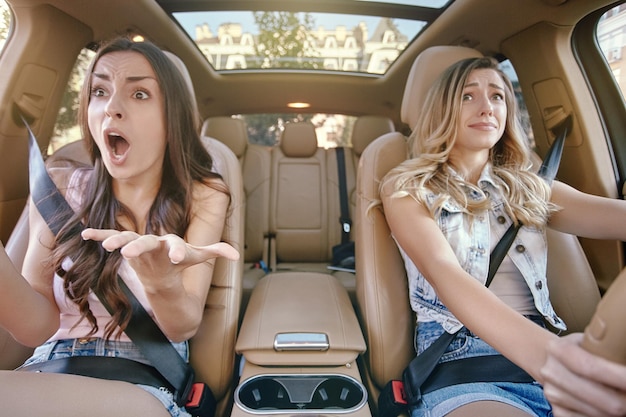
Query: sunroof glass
[[434, 4], [238, 40]]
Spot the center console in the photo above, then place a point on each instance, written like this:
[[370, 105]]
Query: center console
[[300, 339]]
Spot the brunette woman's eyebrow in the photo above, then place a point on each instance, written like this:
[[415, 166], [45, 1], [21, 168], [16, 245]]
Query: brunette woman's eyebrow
[[133, 78], [140, 78]]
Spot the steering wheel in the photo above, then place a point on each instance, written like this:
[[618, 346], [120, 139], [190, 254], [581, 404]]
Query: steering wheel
[[605, 335]]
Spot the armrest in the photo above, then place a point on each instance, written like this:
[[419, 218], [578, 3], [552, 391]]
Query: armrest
[[300, 319]]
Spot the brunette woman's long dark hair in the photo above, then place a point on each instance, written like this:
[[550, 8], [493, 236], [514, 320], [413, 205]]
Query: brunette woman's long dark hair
[[186, 161]]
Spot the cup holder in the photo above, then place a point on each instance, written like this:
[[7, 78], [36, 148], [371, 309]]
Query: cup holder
[[265, 394]]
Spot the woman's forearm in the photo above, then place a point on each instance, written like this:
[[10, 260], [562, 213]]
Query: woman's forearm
[[510, 333], [25, 313]]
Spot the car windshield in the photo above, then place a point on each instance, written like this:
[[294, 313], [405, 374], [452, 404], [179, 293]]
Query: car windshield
[[236, 40]]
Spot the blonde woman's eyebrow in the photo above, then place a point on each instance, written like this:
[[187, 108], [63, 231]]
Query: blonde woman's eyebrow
[[492, 85]]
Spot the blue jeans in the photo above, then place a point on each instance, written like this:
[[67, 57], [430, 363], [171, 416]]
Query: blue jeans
[[111, 348], [527, 397]]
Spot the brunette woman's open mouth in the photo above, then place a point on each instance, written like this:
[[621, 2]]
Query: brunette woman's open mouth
[[118, 146]]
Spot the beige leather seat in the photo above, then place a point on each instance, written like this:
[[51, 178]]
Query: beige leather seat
[[382, 292], [298, 204], [368, 128], [213, 347], [255, 161]]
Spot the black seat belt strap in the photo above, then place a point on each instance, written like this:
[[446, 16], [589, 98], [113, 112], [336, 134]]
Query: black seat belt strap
[[141, 329], [155, 346], [344, 219], [58, 211]]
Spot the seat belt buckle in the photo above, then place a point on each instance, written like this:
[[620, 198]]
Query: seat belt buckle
[[392, 399], [397, 389], [200, 401]]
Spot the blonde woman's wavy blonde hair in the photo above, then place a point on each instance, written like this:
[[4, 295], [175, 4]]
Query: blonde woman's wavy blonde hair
[[526, 195]]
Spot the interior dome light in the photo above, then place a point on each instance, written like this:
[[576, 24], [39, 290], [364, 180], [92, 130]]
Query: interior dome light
[[299, 105]]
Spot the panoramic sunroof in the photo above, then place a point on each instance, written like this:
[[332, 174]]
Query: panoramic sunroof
[[248, 40], [435, 4]]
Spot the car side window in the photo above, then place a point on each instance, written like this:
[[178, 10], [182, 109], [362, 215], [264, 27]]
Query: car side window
[[66, 129], [508, 69], [332, 129], [5, 22], [611, 34]]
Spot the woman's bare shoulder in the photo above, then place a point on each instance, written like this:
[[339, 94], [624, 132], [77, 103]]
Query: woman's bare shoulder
[[68, 176], [211, 195]]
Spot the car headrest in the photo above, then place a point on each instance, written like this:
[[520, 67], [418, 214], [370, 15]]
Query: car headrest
[[185, 73], [428, 65], [368, 128], [228, 130], [183, 70], [299, 140]]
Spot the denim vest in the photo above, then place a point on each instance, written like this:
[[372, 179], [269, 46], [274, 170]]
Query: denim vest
[[472, 237]]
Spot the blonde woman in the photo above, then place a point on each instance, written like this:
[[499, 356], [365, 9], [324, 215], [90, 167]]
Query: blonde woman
[[468, 178]]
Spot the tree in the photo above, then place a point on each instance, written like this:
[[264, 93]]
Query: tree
[[69, 103], [284, 41]]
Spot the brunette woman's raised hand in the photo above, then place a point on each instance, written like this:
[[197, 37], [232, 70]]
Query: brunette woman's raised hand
[[133, 245], [157, 258]]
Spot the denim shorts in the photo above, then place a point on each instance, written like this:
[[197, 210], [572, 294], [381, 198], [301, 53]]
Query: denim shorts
[[527, 397], [100, 347]]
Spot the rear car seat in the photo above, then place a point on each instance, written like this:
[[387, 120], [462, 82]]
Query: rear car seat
[[255, 161], [388, 321], [298, 204]]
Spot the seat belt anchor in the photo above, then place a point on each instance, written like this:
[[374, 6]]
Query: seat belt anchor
[[346, 224]]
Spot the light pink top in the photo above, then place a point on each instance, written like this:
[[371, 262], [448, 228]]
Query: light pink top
[[72, 327]]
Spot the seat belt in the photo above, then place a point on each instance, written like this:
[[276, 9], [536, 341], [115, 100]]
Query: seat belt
[[343, 253], [141, 329], [397, 395], [344, 219]]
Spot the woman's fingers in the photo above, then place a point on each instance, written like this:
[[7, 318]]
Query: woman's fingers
[[180, 251], [111, 239], [578, 380], [133, 245], [98, 234], [222, 249], [140, 245]]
